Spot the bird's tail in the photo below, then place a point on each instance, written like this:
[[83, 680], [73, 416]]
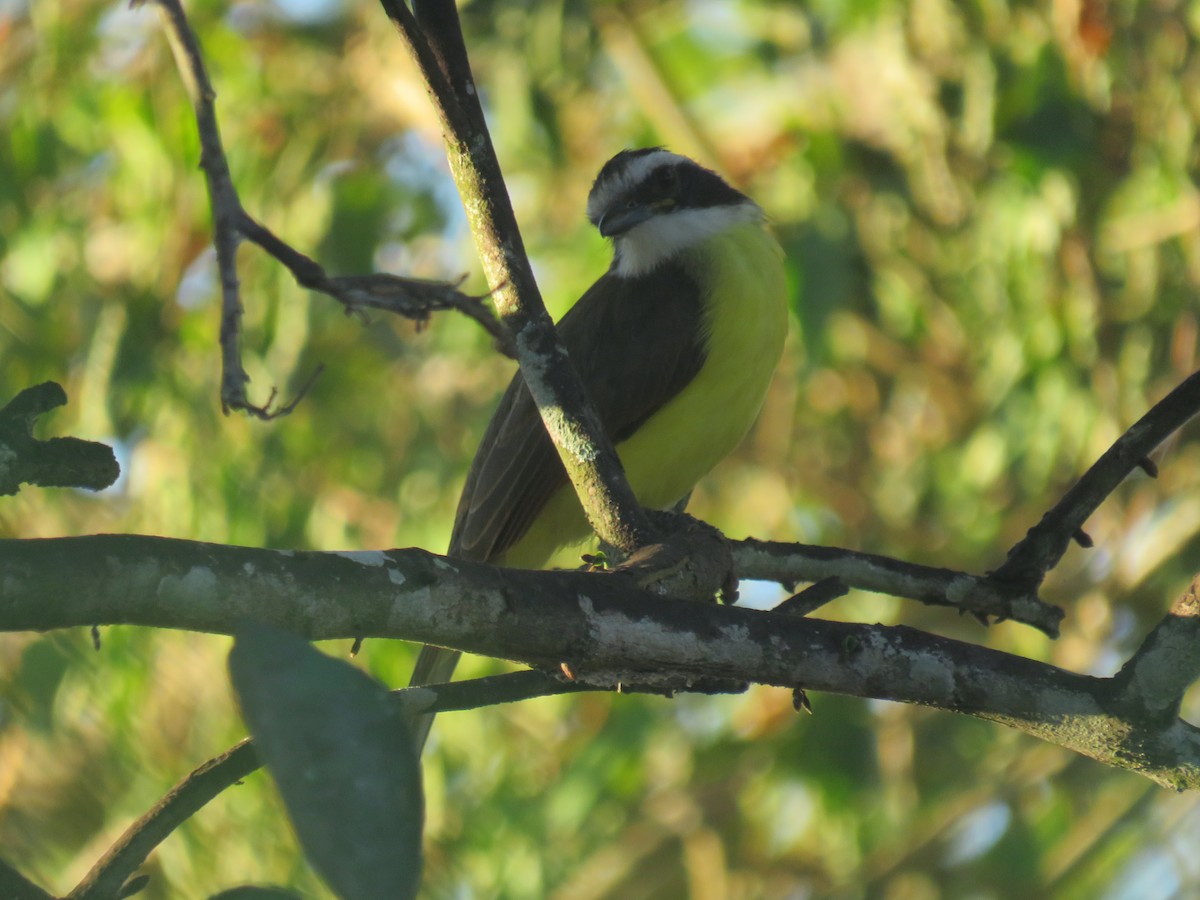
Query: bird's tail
[[434, 665]]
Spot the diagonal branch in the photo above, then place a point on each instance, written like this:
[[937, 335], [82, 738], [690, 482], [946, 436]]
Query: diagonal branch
[[413, 298], [1041, 549], [222, 197], [210, 778], [432, 36], [1011, 591], [183, 801]]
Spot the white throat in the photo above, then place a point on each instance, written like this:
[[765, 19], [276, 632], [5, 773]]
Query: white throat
[[646, 246]]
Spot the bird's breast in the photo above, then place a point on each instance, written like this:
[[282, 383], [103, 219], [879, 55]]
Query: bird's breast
[[741, 277]]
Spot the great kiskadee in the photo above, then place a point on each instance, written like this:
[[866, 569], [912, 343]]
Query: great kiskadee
[[675, 345]]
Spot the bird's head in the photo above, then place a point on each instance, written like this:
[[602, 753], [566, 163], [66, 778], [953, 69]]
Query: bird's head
[[655, 204]]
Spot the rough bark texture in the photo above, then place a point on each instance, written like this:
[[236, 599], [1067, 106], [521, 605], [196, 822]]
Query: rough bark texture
[[603, 628]]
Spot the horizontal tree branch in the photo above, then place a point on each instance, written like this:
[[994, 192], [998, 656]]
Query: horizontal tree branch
[[975, 594], [602, 630]]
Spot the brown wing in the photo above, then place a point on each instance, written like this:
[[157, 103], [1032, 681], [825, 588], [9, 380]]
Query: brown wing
[[635, 343]]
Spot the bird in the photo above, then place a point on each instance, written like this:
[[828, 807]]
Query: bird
[[675, 346]]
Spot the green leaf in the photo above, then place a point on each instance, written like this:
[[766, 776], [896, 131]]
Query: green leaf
[[341, 752]]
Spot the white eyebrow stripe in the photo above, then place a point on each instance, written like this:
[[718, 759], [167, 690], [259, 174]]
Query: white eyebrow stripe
[[632, 174], [643, 165]]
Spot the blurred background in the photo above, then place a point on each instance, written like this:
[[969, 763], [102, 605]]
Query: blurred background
[[992, 231]]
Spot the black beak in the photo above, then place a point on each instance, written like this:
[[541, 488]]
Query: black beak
[[619, 220]]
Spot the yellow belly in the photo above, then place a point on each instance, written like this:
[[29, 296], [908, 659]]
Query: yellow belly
[[746, 320]]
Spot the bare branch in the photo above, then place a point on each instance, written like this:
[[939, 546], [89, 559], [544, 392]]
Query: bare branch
[[412, 298], [210, 778], [1041, 549], [980, 596], [184, 800], [433, 38], [1011, 591], [813, 597], [598, 625], [226, 207], [415, 299]]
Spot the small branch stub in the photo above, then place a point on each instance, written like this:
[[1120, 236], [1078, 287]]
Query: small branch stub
[[56, 462]]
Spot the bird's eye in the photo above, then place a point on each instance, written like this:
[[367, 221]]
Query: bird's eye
[[631, 204]]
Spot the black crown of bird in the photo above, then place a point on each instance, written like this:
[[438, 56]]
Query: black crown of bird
[[675, 345]]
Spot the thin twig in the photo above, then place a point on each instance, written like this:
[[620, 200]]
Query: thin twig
[[412, 298], [222, 195], [976, 595], [1010, 592], [184, 800], [415, 299], [813, 597], [209, 779]]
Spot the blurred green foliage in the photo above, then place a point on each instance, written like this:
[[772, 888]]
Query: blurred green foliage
[[994, 239]]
